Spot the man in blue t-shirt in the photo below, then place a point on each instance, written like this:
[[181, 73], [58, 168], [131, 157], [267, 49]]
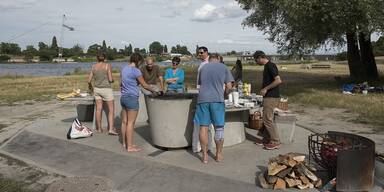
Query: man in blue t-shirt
[[271, 98], [210, 107]]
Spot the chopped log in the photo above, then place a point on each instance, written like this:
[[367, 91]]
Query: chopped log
[[274, 168], [290, 182], [318, 183], [284, 172], [311, 186], [263, 182], [281, 159], [292, 162], [301, 186], [271, 179], [292, 175], [280, 184], [299, 158], [310, 167], [305, 180], [303, 170], [298, 182]]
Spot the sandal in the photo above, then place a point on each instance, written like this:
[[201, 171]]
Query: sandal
[[112, 133]]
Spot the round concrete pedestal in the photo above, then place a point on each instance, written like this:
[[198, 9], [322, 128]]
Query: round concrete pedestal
[[234, 131], [171, 119]]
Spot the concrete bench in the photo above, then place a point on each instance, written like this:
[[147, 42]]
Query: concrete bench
[[320, 66]]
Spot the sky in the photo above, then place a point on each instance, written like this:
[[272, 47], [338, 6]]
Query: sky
[[215, 24]]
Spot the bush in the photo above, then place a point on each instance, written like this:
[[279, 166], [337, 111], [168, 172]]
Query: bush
[[341, 56], [4, 58]]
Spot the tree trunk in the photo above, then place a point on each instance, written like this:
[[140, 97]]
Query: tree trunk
[[367, 57], [356, 70]]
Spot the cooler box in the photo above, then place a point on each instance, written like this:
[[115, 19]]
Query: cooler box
[[85, 111]]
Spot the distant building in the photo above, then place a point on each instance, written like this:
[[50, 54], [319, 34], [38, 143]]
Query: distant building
[[176, 54], [16, 60], [58, 60]]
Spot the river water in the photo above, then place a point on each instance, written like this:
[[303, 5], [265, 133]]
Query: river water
[[56, 69]]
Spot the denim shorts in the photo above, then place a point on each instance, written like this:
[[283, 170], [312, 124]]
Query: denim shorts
[[130, 102], [210, 113]]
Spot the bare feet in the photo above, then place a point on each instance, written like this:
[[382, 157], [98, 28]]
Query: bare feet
[[99, 130], [204, 159], [133, 149], [219, 157]]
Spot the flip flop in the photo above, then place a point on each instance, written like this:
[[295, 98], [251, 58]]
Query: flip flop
[[112, 133]]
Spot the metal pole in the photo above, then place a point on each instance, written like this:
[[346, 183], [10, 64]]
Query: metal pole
[[61, 40]]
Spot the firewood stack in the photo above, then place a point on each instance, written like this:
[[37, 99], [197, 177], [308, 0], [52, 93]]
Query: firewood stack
[[289, 171]]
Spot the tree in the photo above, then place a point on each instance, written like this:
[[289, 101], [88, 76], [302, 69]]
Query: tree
[[141, 51], [165, 49], [42, 46], [30, 52], [180, 49], [77, 50], [299, 27], [54, 44], [155, 48], [93, 50], [104, 47], [10, 48], [129, 50]]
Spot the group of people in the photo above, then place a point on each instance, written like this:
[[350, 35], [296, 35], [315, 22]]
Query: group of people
[[214, 81], [134, 77]]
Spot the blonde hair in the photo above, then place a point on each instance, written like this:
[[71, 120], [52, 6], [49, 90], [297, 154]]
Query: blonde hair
[[149, 58]]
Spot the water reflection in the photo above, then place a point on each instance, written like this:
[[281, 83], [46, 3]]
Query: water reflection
[[56, 69]]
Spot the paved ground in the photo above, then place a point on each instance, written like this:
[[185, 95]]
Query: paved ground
[[43, 142]]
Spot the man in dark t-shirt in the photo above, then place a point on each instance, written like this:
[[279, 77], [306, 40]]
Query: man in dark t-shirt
[[271, 97], [152, 76]]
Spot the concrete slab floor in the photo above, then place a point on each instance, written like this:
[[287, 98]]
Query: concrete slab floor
[[153, 169]]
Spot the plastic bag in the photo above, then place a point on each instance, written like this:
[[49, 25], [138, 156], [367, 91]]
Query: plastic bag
[[77, 130]]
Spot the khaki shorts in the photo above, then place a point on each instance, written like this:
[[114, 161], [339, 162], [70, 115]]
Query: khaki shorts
[[106, 94]]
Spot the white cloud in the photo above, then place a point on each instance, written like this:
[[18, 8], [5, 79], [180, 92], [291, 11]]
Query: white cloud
[[209, 12], [15, 4]]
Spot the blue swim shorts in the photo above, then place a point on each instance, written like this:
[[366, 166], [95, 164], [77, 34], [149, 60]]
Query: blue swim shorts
[[130, 102], [210, 113]]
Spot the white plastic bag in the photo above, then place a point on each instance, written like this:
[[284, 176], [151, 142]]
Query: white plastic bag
[[77, 130]]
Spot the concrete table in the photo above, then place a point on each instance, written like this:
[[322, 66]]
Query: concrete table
[[234, 131]]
